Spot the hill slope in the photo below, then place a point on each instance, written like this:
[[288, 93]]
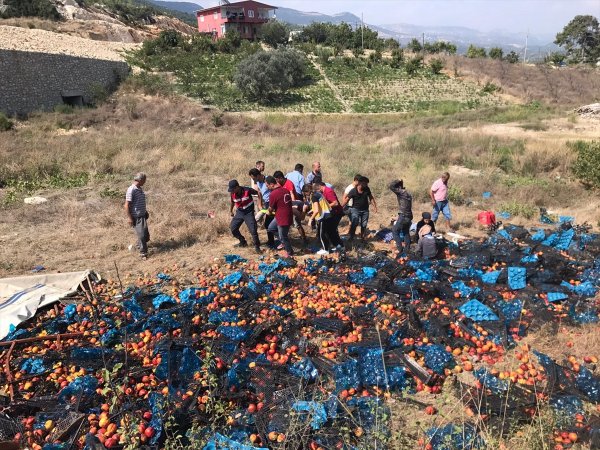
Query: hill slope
[[184, 7]]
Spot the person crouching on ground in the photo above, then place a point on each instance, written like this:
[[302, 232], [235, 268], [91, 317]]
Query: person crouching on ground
[[241, 200], [361, 197], [135, 207], [427, 244], [425, 220], [280, 204], [401, 229]]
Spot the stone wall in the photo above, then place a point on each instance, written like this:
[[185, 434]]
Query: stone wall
[[32, 81]]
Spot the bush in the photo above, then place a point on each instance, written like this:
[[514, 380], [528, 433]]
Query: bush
[[266, 75], [476, 52], [413, 65], [496, 53], [30, 8], [323, 54], [5, 123], [512, 57], [587, 165], [397, 58], [436, 65], [274, 33], [149, 84]]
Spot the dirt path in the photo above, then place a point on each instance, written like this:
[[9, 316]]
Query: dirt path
[[334, 88]]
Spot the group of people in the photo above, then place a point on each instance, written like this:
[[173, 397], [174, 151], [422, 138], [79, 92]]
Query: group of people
[[279, 202]]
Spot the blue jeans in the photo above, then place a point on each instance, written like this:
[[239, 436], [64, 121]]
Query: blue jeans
[[401, 233], [442, 207], [283, 233], [358, 217]]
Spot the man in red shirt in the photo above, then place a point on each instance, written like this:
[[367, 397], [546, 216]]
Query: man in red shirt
[[297, 202], [280, 203]]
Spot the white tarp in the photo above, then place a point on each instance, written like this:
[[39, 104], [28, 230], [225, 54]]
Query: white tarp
[[20, 297]]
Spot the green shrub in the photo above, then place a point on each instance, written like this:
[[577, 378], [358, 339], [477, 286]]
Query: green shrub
[[413, 65], [266, 75], [456, 195], [5, 123], [149, 84], [30, 8], [323, 54], [519, 209], [64, 109], [306, 148], [476, 52], [489, 88], [436, 65], [587, 165], [274, 33], [397, 58]]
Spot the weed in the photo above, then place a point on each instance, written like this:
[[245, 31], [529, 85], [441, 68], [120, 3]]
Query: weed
[[64, 109], [108, 192], [217, 119], [489, 88], [519, 209], [5, 123], [456, 195], [587, 164], [534, 126], [306, 148]]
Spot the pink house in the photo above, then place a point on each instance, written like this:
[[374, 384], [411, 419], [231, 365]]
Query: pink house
[[246, 17]]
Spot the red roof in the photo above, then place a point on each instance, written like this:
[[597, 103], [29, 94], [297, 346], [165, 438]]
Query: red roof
[[239, 4]]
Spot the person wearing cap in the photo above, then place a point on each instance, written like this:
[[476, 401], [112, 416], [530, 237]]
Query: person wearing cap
[[439, 199], [427, 247], [425, 220], [401, 229], [241, 201], [137, 214]]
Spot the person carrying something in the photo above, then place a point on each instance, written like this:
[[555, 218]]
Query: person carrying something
[[427, 244], [260, 166], [315, 174], [327, 226], [439, 199], [260, 182], [425, 220], [135, 207], [401, 229], [297, 180], [361, 198], [297, 202], [241, 199], [281, 205]]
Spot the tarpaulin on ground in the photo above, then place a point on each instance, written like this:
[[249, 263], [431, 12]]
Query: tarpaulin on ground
[[20, 297]]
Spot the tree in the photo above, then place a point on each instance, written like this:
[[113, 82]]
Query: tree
[[397, 58], [341, 35], [274, 33], [436, 65], [581, 39], [414, 45], [476, 52], [496, 53], [265, 75], [316, 32], [391, 44], [555, 58], [512, 57]]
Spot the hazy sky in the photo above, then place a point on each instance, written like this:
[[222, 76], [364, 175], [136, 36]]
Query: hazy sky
[[539, 16]]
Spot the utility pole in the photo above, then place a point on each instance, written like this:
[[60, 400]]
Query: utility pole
[[362, 30], [525, 54]]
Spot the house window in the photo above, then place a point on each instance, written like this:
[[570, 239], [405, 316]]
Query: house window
[[202, 18], [223, 29], [215, 15], [250, 13]]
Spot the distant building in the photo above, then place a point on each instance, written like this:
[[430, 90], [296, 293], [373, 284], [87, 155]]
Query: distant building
[[245, 17]]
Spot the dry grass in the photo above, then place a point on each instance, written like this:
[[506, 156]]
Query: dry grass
[[189, 160], [566, 86]]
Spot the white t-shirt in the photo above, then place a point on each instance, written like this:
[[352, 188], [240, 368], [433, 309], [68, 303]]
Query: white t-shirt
[[347, 191]]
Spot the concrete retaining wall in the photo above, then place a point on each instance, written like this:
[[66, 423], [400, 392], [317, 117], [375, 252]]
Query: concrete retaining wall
[[32, 81]]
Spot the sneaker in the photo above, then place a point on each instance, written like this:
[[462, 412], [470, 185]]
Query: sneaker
[[130, 248], [144, 256], [322, 252], [240, 245], [280, 247]]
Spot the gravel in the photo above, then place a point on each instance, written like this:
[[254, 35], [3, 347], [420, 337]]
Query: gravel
[[31, 40]]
